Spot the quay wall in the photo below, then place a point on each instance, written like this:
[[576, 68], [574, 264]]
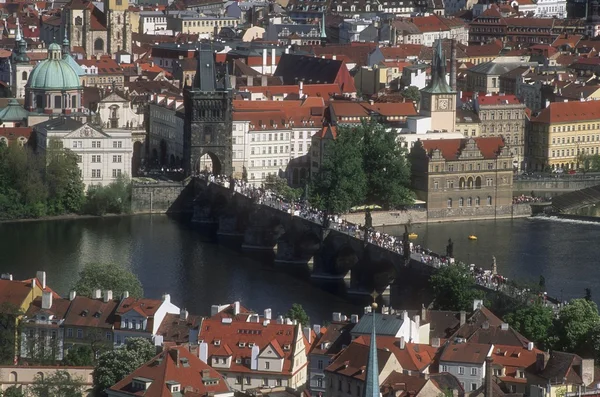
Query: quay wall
[[158, 197], [553, 186]]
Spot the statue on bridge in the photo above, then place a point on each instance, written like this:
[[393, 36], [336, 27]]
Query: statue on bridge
[[450, 249], [494, 266], [231, 184], [406, 245], [368, 225]]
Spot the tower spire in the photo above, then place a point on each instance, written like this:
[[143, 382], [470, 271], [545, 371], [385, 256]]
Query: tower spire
[[371, 387], [323, 33], [18, 36]]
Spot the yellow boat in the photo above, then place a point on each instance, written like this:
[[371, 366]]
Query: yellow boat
[[472, 237], [413, 236]]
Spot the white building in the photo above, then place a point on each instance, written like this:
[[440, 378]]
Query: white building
[[152, 22], [117, 112], [551, 9], [103, 155]]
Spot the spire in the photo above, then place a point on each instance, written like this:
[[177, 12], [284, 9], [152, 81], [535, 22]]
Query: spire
[[323, 33], [371, 387], [18, 36], [66, 46], [438, 83]]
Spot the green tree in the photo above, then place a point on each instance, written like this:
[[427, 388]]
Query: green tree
[[280, 187], [571, 330], [296, 312], [454, 288], [57, 384], [341, 182], [107, 276], [65, 187], [411, 93], [114, 365], [13, 391], [115, 198], [9, 329], [386, 167], [533, 321], [79, 356]]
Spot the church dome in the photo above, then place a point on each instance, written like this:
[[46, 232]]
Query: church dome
[[54, 73]]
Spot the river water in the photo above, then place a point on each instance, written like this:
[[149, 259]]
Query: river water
[[170, 256]]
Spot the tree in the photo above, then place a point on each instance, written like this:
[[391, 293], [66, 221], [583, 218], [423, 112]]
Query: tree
[[281, 188], [9, 329], [341, 182], [107, 276], [13, 391], [386, 167], [454, 288], [79, 356], [114, 198], [411, 93], [65, 186], [575, 322], [116, 364], [297, 313], [60, 383], [533, 321]]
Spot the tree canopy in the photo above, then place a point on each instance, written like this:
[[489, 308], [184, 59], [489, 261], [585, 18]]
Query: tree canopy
[[107, 276], [454, 288], [79, 356], [574, 325], [296, 312], [115, 365], [533, 321], [411, 93], [59, 383], [365, 164], [281, 188], [9, 329]]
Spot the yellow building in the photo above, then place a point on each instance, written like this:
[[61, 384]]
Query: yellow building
[[562, 132], [468, 123], [198, 24]]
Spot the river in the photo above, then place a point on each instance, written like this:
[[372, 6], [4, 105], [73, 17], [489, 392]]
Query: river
[[172, 256]]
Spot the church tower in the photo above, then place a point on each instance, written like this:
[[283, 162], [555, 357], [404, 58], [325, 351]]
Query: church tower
[[118, 24], [20, 66], [371, 387], [207, 126], [438, 99]]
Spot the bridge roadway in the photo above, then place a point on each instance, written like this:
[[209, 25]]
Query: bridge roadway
[[424, 259]]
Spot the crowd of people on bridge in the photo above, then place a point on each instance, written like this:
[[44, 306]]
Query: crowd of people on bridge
[[485, 278], [522, 199]]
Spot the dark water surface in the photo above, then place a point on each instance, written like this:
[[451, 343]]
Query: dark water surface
[[171, 256], [566, 253]]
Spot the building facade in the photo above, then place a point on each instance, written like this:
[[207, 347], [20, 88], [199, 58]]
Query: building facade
[[466, 178]]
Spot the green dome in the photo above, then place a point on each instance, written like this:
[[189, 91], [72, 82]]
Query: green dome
[[53, 46], [54, 74]]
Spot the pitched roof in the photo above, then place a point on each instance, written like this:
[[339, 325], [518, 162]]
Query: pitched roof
[[514, 358], [293, 68], [335, 336], [58, 309], [88, 312], [15, 292], [497, 99], [352, 361], [473, 353], [403, 384], [175, 329], [175, 365], [567, 112], [560, 366], [451, 148], [412, 357]]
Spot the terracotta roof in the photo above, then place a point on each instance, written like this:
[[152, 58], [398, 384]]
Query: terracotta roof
[[413, 357], [174, 365], [87, 312], [513, 359], [237, 335], [451, 148], [567, 39], [175, 329], [12, 133], [473, 353], [352, 361], [489, 49], [320, 90], [401, 109], [568, 112], [401, 51], [353, 53], [59, 307], [490, 100], [402, 384], [106, 65]]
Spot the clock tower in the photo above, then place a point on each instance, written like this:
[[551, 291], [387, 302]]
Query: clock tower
[[438, 100]]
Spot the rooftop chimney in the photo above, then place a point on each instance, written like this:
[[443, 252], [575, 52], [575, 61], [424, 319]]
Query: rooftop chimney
[[453, 64], [46, 300], [107, 296], [41, 275], [463, 317], [488, 377], [97, 294], [402, 343], [273, 58], [175, 356], [317, 329], [183, 314], [125, 294], [354, 318], [267, 314], [72, 295], [264, 68], [337, 316], [236, 305], [307, 334], [423, 312]]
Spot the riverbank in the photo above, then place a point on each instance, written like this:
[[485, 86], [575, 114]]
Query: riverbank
[[65, 217]]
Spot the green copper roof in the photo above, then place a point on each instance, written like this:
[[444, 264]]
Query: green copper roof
[[54, 73], [438, 84], [371, 388], [13, 112]]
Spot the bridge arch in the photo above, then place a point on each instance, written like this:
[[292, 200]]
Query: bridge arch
[[208, 162], [346, 258]]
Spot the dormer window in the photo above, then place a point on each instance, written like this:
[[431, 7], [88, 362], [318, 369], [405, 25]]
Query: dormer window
[[238, 360], [242, 344], [286, 347], [173, 386], [217, 342], [251, 344]]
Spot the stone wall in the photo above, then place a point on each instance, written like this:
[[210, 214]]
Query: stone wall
[[381, 218], [552, 186], [161, 197]]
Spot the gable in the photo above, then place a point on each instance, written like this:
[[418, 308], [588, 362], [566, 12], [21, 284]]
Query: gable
[[270, 352], [86, 132]]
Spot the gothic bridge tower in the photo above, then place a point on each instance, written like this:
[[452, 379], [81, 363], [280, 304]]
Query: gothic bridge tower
[[208, 118]]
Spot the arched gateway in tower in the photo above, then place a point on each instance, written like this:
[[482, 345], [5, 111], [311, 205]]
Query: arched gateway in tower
[[208, 118]]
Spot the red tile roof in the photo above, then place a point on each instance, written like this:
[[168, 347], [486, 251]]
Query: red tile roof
[[474, 353], [568, 112], [320, 90], [401, 51], [15, 292], [489, 100], [413, 357], [451, 148], [178, 365], [87, 312], [513, 358], [106, 65], [234, 338]]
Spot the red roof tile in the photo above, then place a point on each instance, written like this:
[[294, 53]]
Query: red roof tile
[[451, 148], [568, 112], [489, 100], [474, 353]]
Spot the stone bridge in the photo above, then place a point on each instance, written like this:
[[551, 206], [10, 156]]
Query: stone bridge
[[295, 241]]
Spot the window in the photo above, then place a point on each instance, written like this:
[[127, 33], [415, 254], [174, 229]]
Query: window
[[444, 368], [248, 380], [108, 336], [469, 203], [79, 158], [461, 370], [96, 158], [117, 158], [77, 144], [238, 380], [267, 366], [279, 382], [116, 173], [69, 332], [473, 370], [96, 144], [96, 174], [265, 381], [133, 323], [461, 202], [79, 333], [489, 200], [117, 144], [320, 364], [449, 202], [473, 386]]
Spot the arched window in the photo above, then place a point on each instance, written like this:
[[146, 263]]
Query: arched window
[[118, 19], [99, 45], [40, 375], [13, 377], [461, 202], [477, 201], [469, 201], [78, 21], [449, 203], [24, 76], [489, 200]]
